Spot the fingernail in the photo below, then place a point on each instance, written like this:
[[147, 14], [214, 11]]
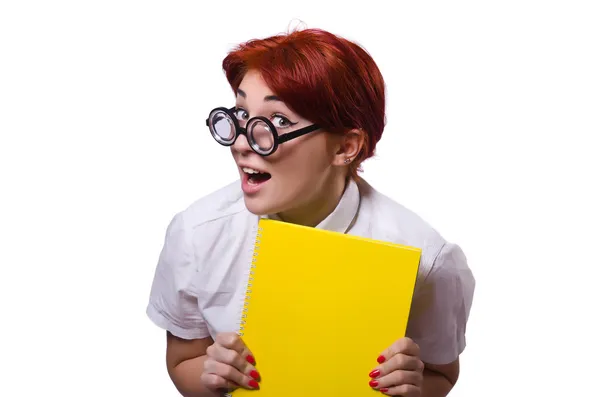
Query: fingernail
[[254, 374], [250, 359], [375, 373], [384, 390], [373, 383], [253, 384], [380, 359]]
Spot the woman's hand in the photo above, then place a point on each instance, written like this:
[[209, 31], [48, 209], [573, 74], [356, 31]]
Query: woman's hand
[[229, 364], [400, 370]]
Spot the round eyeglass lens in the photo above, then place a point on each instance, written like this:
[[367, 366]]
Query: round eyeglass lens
[[222, 127], [261, 136]]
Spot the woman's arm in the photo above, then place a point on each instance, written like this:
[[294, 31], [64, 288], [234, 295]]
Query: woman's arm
[[438, 380], [185, 363]]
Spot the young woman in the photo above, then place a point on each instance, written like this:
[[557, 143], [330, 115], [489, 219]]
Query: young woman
[[309, 109]]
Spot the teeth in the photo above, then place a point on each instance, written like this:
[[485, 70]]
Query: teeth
[[250, 170]]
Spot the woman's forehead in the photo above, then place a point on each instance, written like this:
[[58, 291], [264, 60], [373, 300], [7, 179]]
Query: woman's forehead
[[253, 86]]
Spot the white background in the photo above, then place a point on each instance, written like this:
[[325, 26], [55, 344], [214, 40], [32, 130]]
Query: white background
[[493, 121]]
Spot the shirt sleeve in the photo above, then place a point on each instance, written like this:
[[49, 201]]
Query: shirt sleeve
[[441, 307], [173, 304]]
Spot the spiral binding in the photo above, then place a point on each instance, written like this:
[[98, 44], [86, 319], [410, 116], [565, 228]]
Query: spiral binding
[[250, 278]]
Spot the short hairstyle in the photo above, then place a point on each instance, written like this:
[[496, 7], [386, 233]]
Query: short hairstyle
[[325, 78]]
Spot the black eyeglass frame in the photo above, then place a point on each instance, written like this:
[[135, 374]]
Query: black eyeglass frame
[[277, 139]]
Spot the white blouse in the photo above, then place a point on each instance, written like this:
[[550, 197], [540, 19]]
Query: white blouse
[[198, 284]]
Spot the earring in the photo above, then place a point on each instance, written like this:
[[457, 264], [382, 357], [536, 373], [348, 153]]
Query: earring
[[347, 161]]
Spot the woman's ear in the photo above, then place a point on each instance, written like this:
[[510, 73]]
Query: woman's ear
[[350, 145]]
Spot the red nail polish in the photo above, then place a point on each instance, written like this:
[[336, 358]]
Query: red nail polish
[[250, 359], [380, 359], [253, 384], [373, 383], [375, 373], [384, 390], [254, 373]]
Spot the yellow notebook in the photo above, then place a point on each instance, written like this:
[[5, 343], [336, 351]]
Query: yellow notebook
[[320, 308]]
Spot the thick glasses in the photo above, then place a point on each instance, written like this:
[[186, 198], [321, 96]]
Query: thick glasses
[[260, 132]]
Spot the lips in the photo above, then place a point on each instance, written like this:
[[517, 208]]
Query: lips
[[254, 176]]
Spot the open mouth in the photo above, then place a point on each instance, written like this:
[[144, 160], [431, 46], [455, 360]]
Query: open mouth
[[256, 177]]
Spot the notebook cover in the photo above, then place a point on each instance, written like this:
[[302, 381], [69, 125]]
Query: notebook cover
[[320, 308]]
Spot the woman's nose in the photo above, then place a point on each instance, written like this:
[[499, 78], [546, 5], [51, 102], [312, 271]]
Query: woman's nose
[[241, 144]]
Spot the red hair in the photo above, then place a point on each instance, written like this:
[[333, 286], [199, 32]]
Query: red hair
[[322, 77]]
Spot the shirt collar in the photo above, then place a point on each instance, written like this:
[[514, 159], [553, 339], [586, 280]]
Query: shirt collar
[[344, 214]]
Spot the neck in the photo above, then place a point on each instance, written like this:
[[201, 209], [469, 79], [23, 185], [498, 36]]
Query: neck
[[323, 204]]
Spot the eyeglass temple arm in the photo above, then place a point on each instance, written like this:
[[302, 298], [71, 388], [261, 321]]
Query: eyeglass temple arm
[[297, 133]]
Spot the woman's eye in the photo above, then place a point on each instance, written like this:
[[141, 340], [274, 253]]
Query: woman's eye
[[241, 114], [281, 122]]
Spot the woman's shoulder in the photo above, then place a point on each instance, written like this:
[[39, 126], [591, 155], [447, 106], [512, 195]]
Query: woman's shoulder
[[220, 204], [220, 209], [394, 219], [390, 220]]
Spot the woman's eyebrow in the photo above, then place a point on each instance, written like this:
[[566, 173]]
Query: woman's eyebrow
[[267, 98], [272, 98]]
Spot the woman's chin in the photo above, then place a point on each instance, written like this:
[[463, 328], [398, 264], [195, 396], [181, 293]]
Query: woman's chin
[[259, 206]]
